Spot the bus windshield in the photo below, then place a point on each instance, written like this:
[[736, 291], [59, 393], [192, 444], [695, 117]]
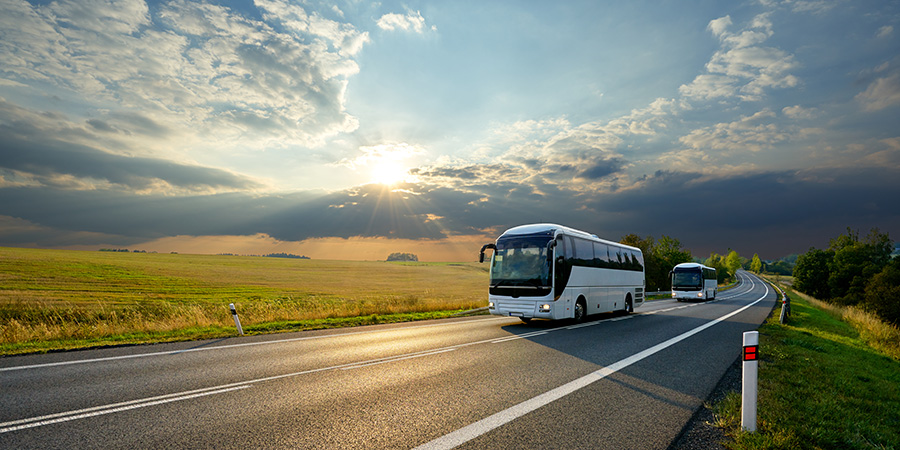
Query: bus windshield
[[687, 279], [521, 261]]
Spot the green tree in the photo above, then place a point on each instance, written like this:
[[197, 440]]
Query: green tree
[[733, 263], [669, 250], [659, 258], [812, 272], [855, 263], [398, 256], [755, 263], [717, 262]]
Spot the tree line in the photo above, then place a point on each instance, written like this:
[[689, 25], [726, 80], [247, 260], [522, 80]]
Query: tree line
[[400, 256], [854, 272], [661, 255]]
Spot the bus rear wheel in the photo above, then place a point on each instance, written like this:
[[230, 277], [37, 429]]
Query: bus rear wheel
[[580, 310], [629, 306]]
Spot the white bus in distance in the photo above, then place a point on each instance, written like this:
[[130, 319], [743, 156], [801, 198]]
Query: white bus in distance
[[692, 281], [549, 271]]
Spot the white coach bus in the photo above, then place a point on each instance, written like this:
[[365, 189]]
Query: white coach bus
[[692, 281], [548, 271]]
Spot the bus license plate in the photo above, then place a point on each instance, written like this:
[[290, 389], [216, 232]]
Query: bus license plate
[[516, 314]]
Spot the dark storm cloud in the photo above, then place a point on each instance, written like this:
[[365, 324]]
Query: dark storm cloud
[[772, 213], [602, 169], [466, 173], [775, 213], [46, 146], [47, 158]]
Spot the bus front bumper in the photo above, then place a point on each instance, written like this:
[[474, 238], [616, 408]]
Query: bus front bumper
[[529, 309]]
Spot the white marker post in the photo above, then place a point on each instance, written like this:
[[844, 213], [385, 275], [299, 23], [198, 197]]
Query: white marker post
[[237, 322], [749, 383]]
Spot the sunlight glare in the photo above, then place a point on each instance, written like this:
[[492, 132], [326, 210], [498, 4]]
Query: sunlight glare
[[389, 173]]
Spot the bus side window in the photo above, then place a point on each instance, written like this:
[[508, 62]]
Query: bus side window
[[601, 255], [570, 249], [616, 261], [640, 261], [584, 252]]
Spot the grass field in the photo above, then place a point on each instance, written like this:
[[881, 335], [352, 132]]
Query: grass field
[[828, 379], [57, 299]]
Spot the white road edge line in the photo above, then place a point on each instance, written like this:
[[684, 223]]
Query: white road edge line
[[469, 432]]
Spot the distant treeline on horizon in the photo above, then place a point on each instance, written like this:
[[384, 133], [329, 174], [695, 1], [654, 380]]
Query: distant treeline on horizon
[[270, 255]]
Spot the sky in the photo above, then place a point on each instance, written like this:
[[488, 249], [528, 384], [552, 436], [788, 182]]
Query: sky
[[351, 130]]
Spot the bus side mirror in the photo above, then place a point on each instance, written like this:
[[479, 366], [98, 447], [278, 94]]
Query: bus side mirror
[[550, 246], [483, 248]]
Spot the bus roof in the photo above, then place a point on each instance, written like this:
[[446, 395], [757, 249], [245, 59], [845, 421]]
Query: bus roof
[[692, 266], [538, 228]]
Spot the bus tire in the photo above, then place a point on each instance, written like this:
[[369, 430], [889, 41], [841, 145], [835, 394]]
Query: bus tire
[[580, 310], [525, 319], [629, 305]]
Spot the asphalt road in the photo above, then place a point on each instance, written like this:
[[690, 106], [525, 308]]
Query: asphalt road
[[482, 382]]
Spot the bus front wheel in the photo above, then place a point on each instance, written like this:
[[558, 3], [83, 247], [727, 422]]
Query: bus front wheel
[[629, 306]]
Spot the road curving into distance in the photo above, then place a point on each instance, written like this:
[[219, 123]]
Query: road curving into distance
[[616, 381]]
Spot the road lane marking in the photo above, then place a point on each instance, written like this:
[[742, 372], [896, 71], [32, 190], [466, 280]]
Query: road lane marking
[[17, 425], [401, 358], [519, 336], [222, 347], [483, 426], [278, 341], [167, 398]]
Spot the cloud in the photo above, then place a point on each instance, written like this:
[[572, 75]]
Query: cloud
[[383, 152], [719, 26], [46, 149], [881, 94], [750, 133], [190, 66], [742, 67], [343, 36], [801, 6], [409, 22], [799, 112], [821, 202]]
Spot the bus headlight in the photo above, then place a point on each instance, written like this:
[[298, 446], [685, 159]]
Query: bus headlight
[[490, 305], [700, 295], [545, 307]]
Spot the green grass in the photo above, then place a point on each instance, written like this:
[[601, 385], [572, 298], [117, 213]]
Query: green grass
[[55, 299], [822, 384]]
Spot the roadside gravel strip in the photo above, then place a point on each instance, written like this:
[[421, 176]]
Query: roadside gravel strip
[[700, 433]]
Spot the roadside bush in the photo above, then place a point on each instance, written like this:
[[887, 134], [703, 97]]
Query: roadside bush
[[882, 295], [854, 272]]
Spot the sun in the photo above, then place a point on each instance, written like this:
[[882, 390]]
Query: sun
[[389, 173]]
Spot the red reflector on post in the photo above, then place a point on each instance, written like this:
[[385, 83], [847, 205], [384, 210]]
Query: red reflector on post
[[750, 352]]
